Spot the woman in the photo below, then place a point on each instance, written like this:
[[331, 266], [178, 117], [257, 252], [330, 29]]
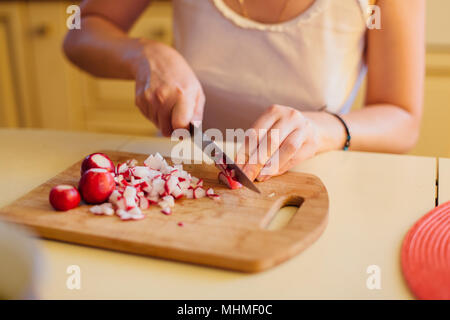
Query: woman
[[292, 65]]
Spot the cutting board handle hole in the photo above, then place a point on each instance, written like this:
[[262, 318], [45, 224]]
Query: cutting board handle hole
[[284, 214]]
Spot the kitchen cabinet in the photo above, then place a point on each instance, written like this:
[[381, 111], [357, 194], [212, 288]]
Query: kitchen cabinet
[[15, 86], [40, 88]]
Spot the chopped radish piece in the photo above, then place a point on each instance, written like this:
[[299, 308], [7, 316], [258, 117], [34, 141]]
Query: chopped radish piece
[[228, 180], [169, 200], [103, 209], [167, 211], [177, 192], [194, 181], [199, 192], [210, 192], [189, 193], [121, 168], [132, 163], [180, 224], [155, 162], [130, 188], [144, 203]]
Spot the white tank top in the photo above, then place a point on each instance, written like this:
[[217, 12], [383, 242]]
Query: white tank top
[[311, 61]]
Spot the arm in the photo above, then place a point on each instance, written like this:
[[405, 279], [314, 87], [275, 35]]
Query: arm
[[390, 120], [102, 47]]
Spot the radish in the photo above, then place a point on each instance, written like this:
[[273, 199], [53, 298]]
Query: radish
[[169, 200], [130, 197], [121, 168], [132, 163], [103, 209], [170, 184], [167, 211], [210, 193], [141, 172], [130, 188], [144, 203], [158, 186], [199, 192], [177, 193], [155, 162], [96, 185], [97, 160], [64, 197], [189, 193], [228, 180]]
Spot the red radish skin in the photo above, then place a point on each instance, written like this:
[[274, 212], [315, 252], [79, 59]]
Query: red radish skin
[[64, 197], [229, 181], [180, 224], [97, 160], [96, 185]]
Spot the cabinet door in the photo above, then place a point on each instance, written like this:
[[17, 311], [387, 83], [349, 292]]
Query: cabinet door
[[55, 80], [109, 104], [434, 136], [9, 116], [15, 93]]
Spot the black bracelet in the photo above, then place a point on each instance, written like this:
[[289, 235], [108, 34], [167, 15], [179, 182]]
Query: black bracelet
[[347, 131]]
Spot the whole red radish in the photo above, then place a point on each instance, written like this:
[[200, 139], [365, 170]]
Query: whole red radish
[[97, 160], [96, 185], [64, 197]]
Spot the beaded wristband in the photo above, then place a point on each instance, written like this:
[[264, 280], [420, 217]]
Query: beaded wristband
[[347, 131]]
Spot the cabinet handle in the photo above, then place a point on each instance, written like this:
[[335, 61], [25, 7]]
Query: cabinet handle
[[41, 30], [158, 33]]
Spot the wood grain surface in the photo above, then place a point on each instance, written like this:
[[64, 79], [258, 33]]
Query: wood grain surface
[[230, 233]]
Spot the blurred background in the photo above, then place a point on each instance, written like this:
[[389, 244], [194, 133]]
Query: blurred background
[[40, 89]]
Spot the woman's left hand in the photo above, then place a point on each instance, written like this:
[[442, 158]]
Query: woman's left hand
[[282, 137]]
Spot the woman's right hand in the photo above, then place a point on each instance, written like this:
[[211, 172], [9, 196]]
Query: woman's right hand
[[167, 90]]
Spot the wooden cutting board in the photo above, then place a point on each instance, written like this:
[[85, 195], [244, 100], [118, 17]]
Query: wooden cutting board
[[230, 233]]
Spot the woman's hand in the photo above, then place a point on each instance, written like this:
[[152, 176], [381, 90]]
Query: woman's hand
[[167, 90], [287, 138]]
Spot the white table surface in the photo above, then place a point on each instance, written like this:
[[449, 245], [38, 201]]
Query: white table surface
[[374, 200]]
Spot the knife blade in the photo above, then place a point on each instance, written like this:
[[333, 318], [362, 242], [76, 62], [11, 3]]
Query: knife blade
[[220, 157]]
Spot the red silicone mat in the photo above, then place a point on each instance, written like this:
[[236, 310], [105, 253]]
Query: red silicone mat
[[426, 255]]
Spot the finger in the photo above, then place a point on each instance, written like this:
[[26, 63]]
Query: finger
[[248, 146], [140, 102], [268, 146], [151, 106], [253, 135], [288, 150], [165, 98], [305, 153], [183, 109], [199, 106]]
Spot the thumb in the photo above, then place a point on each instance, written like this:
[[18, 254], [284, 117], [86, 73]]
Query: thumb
[[199, 106], [183, 110]]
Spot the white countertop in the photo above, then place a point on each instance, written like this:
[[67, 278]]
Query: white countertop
[[374, 200]]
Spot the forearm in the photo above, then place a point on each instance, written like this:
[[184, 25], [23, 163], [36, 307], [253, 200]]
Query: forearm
[[103, 49], [376, 128]]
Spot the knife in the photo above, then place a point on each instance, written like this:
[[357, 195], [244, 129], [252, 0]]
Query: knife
[[220, 157]]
